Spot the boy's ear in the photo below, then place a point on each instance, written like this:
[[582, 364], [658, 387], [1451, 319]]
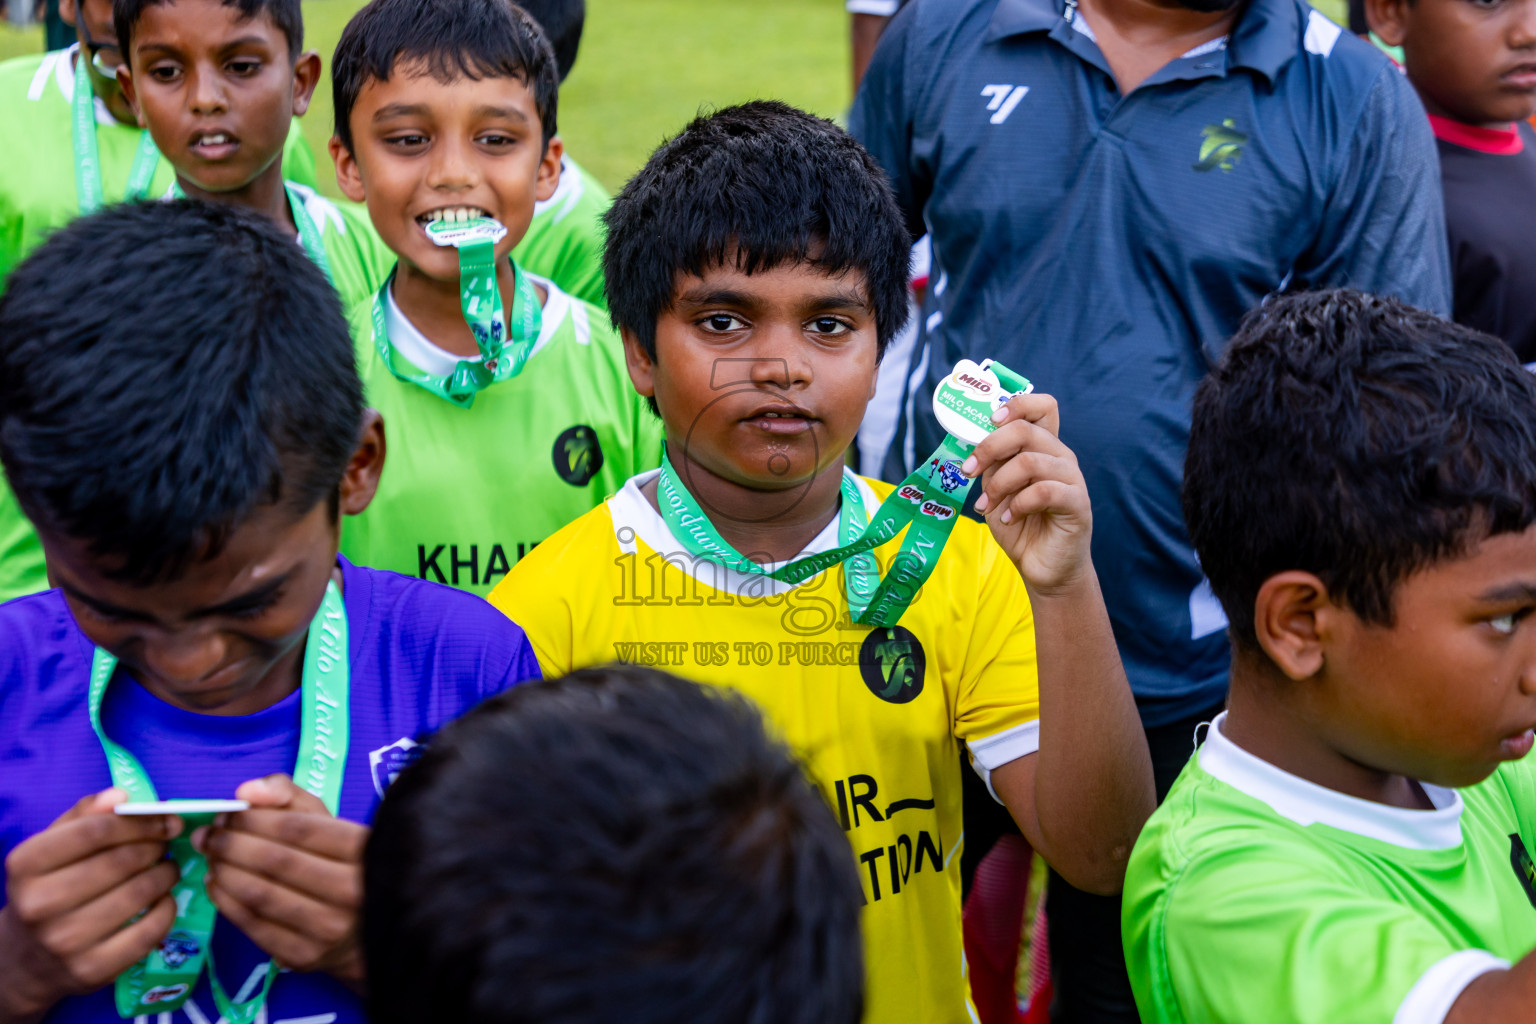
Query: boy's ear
[[1292, 616], [549, 169], [125, 83], [347, 177], [642, 368], [1388, 19], [67, 12], [361, 481], [306, 75]]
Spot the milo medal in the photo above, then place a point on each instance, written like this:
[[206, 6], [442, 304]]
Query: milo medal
[[504, 343]]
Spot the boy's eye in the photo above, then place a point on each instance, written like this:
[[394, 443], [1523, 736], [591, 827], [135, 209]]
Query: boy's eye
[[722, 322], [1505, 624], [164, 72], [830, 326], [406, 141], [496, 139], [244, 68]]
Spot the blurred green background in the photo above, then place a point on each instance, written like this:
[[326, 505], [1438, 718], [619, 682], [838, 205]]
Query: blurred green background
[[645, 67]]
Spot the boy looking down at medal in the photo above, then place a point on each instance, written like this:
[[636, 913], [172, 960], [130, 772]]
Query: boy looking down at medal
[[187, 472], [1353, 839], [218, 84], [757, 267], [82, 149], [510, 412]]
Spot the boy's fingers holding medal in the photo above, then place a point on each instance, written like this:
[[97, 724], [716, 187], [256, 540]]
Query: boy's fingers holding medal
[[72, 891], [289, 874]]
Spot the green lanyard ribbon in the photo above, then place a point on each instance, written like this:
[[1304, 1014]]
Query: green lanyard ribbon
[[504, 348], [927, 504], [88, 186], [164, 979], [309, 232]]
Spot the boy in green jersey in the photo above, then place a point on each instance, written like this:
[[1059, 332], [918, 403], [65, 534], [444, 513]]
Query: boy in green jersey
[[565, 238], [445, 114], [1353, 840], [218, 85]]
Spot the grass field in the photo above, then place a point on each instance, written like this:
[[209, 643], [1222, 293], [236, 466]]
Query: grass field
[[646, 66]]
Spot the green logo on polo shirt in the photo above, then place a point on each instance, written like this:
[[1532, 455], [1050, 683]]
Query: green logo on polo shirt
[[1223, 146]]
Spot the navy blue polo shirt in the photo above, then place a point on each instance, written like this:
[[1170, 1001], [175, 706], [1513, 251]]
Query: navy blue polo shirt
[[1106, 246]]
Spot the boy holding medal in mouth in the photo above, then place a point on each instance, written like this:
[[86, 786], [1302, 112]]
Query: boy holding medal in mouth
[[206, 641], [757, 267], [218, 86], [510, 412]]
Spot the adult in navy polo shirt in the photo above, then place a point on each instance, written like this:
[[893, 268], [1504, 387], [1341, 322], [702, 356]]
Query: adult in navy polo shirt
[[1109, 186]]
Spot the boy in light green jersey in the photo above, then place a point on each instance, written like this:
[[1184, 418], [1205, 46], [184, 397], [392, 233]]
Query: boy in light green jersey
[[501, 429], [218, 84], [65, 131], [565, 238], [1353, 840], [81, 149]]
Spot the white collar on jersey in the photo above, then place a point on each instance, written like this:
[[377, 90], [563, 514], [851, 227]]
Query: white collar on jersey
[[59, 66], [1307, 803], [428, 357], [634, 517]]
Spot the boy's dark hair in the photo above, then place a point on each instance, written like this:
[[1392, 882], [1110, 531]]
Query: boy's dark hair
[[205, 370], [618, 844], [287, 15], [1359, 439], [562, 21], [771, 183], [450, 39]]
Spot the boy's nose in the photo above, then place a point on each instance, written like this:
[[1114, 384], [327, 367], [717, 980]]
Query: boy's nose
[[207, 95], [184, 660], [450, 168]]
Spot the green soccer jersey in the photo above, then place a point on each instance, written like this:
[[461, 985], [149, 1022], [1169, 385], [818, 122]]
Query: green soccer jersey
[[37, 188], [565, 239], [358, 261], [1255, 896], [465, 493]]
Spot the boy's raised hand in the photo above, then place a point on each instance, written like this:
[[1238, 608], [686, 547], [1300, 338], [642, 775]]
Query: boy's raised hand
[[290, 876], [71, 891], [1033, 494]]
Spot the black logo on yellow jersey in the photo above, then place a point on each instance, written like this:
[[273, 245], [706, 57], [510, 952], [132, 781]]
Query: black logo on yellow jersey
[[1524, 869], [892, 662], [577, 455]]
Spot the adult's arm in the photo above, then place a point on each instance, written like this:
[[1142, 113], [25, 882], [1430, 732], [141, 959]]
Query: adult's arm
[[883, 112], [1383, 224]]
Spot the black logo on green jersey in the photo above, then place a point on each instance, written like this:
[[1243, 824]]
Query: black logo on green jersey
[[892, 662], [1525, 870], [577, 455]]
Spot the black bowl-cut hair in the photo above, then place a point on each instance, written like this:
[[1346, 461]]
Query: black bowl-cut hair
[[1359, 439], [771, 185], [562, 22], [287, 15], [617, 844], [207, 370], [449, 40]]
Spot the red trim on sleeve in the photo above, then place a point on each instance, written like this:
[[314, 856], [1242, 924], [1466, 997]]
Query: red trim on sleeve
[[1498, 141]]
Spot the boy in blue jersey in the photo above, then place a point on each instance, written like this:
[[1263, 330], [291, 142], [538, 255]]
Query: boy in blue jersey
[[1353, 839], [218, 85], [186, 434]]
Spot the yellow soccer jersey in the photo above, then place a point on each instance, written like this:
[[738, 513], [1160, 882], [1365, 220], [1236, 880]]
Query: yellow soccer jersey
[[877, 714]]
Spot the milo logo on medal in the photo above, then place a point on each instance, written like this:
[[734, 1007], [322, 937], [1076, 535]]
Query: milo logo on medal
[[577, 455], [892, 664], [976, 384], [939, 511], [912, 494]]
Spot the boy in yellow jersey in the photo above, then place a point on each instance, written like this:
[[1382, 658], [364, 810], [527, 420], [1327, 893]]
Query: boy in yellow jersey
[[756, 267]]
